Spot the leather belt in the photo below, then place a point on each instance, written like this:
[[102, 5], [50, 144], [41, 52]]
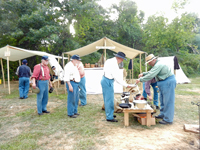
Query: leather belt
[[42, 80], [74, 81]]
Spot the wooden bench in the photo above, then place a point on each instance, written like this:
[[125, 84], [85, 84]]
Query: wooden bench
[[128, 110]]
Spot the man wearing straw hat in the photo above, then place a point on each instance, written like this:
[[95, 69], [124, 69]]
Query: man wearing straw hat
[[166, 83], [111, 73]]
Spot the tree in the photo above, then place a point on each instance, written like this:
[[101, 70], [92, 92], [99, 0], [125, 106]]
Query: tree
[[129, 24], [30, 23]]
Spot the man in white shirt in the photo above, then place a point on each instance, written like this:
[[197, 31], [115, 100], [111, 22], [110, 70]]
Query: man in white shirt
[[72, 78], [111, 74]]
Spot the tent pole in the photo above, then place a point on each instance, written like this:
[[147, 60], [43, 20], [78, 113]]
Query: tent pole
[[59, 72], [63, 60], [132, 68], [4, 85], [104, 50], [145, 62], [140, 65], [19, 62], [68, 58], [8, 72]]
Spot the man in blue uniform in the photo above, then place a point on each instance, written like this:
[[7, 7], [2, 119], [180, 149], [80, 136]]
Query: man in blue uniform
[[24, 73], [111, 74], [72, 78]]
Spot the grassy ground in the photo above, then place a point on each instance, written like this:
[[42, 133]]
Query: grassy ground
[[21, 127]]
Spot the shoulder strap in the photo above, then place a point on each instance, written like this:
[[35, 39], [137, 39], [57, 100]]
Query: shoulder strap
[[39, 73]]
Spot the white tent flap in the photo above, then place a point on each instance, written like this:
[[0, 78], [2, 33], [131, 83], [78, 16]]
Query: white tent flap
[[180, 75]]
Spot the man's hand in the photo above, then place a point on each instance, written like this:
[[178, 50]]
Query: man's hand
[[137, 81], [140, 75], [128, 86], [34, 85], [150, 98], [50, 84], [70, 88]]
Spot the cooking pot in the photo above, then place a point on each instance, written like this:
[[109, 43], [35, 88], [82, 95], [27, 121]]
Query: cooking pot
[[140, 103]]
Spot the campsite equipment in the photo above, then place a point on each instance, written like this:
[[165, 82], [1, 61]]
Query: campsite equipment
[[125, 97], [142, 118], [125, 105], [198, 104], [36, 90], [92, 65], [51, 90], [140, 103]]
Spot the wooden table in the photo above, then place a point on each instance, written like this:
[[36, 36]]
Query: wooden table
[[128, 110]]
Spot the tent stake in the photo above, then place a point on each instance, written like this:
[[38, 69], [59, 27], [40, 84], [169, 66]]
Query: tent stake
[[4, 85]]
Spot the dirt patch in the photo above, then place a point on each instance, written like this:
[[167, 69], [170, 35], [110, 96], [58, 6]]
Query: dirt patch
[[158, 137], [162, 137], [59, 141], [9, 131]]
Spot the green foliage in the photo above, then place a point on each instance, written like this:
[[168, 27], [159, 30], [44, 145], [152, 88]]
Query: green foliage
[[44, 25], [190, 63]]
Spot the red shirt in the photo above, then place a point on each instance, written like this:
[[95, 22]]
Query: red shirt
[[37, 72]]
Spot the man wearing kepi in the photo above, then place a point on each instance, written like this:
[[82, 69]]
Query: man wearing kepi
[[111, 74], [24, 73], [166, 83], [72, 77], [41, 73]]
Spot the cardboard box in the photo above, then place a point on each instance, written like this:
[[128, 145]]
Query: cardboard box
[[143, 121]]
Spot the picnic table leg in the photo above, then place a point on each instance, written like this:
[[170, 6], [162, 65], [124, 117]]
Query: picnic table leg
[[126, 118], [148, 118]]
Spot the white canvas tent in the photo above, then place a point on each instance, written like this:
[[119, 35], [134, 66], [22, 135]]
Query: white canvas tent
[[11, 53], [181, 78], [104, 43]]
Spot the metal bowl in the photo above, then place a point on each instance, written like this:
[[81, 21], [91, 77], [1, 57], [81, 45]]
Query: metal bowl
[[140, 103]]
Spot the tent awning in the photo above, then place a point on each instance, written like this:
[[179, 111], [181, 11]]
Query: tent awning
[[20, 53], [93, 47]]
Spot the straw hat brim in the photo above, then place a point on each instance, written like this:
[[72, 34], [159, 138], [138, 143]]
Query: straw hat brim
[[151, 60]]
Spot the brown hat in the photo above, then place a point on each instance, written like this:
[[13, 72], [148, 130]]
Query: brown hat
[[149, 58]]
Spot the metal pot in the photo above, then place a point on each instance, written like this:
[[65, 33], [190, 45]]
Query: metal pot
[[140, 103]]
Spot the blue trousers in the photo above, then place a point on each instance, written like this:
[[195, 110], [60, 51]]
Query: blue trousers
[[82, 92], [42, 97], [108, 96], [72, 99], [23, 87], [155, 93], [167, 98]]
